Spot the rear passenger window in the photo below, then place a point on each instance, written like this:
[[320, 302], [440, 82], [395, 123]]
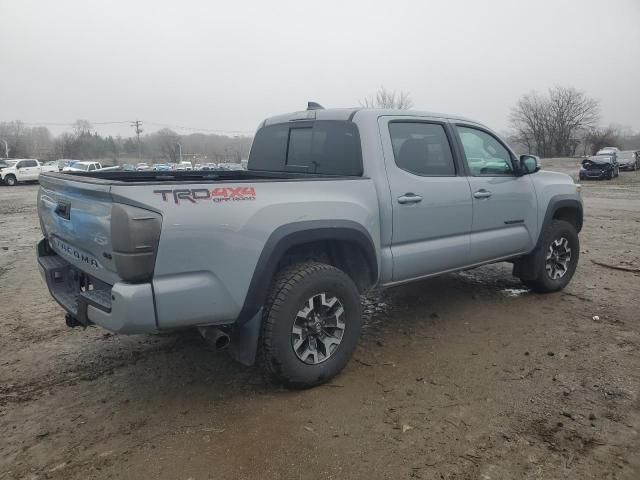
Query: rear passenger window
[[422, 148]]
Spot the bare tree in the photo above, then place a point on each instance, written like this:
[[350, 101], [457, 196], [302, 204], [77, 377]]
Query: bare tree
[[81, 127], [24, 141], [384, 98], [554, 124], [599, 138], [168, 141]]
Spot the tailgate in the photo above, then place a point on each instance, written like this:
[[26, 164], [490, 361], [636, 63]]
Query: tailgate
[[75, 217]]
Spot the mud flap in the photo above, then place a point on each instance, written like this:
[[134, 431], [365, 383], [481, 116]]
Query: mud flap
[[244, 340], [526, 268]]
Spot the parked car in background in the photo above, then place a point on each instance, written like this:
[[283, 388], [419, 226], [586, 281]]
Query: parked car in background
[[184, 166], [161, 167], [53, 163], [13, 171], [65, 162], [209, 166], [127, 167], [142, 166], [608, 151], [611, 151], [82, 167], [629, 160], [598, 167]]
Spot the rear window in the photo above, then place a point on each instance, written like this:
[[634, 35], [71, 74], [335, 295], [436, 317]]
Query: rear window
[[323, 146]]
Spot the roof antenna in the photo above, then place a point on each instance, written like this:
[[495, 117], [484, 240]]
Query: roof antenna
[[314, 106]]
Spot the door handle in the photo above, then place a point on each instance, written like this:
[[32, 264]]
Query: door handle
[[409, 198], [482, 193]]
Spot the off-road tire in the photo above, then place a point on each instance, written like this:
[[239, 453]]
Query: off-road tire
[[290, 289], [11, 180], [555, 230]]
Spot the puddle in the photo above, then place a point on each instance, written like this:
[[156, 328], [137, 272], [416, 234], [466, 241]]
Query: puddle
[[375, 305], [514, 292]]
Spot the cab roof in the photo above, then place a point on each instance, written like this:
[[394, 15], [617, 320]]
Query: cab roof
[[350, 113]]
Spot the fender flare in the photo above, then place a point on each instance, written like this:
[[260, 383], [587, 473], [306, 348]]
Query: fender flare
[[298, 233], [525, 267], [562, 201]]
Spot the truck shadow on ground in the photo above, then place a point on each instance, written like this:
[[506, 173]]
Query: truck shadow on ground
[[184, 358]]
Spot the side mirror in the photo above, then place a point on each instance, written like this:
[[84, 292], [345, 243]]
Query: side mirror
[[18, 167], [529, 164]]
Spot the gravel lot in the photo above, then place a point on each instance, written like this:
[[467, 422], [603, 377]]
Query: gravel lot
[[465, 376]]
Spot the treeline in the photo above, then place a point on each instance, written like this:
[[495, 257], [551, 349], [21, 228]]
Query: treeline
[[84, 143], [564, 122]]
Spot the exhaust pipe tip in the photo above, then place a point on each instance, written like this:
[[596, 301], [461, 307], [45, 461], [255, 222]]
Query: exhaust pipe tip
[[222, 341], [215, 337]]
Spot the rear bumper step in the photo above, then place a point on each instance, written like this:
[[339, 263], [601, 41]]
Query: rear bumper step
[[121, 308], [74, 290]]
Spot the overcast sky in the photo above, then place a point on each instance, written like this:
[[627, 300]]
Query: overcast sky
[[228, 64]]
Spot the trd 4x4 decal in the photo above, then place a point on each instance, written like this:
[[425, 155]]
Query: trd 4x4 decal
[[217, 195]]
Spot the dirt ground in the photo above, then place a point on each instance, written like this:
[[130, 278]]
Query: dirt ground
[[464, 376]]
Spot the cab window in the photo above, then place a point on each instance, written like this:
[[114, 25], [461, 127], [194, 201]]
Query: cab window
[[422, 148], [484, 153]]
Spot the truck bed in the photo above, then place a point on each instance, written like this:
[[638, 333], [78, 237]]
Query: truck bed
[[205, 176]]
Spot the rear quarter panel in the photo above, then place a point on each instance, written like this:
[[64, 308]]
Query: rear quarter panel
[[209, 248]]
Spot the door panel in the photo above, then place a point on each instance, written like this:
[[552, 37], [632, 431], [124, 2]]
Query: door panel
[[22, 173], [431, 205], [504, 205], [504, 222], [28, 171]]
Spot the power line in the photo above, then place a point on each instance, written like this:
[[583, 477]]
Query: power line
[[157, 124]]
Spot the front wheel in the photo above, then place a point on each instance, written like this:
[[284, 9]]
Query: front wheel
[[311, 324], [11, 180], [557, 257]]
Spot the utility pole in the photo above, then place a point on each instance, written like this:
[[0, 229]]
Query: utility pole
[[137, 124], [6, 149], [180, 147]]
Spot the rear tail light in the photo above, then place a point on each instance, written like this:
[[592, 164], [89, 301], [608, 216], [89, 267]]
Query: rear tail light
[[135, 234]]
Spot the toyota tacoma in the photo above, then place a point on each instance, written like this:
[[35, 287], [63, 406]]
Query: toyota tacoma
[[271, 262]]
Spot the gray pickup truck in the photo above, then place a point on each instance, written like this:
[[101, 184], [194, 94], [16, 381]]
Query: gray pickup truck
[[272, 261]]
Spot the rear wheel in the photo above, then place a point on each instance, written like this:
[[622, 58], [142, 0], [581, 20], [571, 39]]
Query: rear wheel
[[11, 180], [557, 257], [311, 324]]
